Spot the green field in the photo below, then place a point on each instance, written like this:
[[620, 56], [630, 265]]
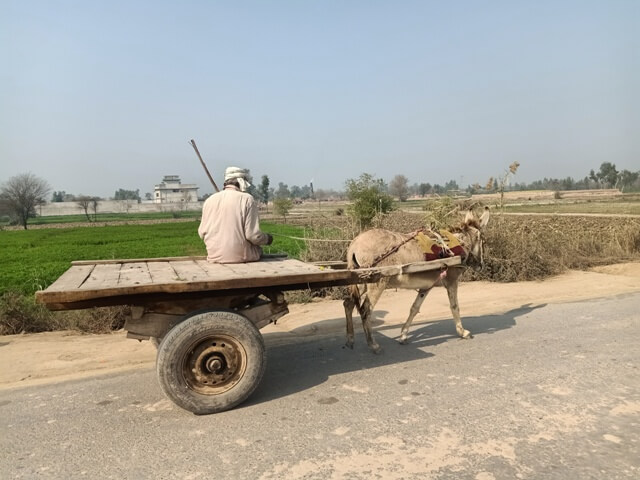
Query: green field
[[107, 217], [32, 259]]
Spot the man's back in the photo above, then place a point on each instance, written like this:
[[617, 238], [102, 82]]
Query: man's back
[[230, 227]]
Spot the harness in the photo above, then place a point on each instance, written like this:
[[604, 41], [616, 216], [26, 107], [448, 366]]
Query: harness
[[435, 245], [442, 244]]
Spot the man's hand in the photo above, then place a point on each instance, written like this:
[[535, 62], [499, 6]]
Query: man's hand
[[269, 239]]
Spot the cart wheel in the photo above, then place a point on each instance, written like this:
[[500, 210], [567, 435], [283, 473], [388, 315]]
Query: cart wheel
[[211, 361], [155, 341]]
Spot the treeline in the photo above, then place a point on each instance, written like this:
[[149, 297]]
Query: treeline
[[607, 176]]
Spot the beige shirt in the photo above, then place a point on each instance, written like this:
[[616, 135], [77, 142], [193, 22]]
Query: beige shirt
[[230, 227]]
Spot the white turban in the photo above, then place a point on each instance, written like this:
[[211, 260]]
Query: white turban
[[240, 174]]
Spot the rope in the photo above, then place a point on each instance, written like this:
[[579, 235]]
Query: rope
[[310, 239], [394, 249]]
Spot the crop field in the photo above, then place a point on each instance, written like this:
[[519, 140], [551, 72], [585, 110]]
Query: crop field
[[593, 208], [32, 259], [101, 218]]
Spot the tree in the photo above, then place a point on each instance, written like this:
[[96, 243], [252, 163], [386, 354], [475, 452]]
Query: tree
[[22, 193], [399, 187], [424, 188], [296, 191], [608, 174], [263, 190], [85, 202], [122, 194], [369, 198], [58, 196], [628, 178], [451, 185], [282, 191], [306, 192], [281, 206]]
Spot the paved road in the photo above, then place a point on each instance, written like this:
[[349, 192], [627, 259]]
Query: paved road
[[541, 392]]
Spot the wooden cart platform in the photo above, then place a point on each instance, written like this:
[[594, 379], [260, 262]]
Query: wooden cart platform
[[139, 281]]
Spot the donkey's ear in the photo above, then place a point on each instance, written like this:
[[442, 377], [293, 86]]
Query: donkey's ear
[[469, 217], [484, 219]]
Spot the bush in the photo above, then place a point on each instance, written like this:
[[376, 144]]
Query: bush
[[369, 199], [21, 314]]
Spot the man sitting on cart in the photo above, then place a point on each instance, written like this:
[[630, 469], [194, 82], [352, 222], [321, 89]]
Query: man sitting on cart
[[230, 225]]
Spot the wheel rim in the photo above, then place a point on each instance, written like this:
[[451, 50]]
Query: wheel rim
[[214, 364]]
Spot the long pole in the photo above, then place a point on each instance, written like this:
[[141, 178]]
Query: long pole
[[193, 144]]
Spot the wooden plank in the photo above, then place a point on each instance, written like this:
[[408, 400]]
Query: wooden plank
[[161, 273], [279, 268], [102, 276], [72, 279], [134, 260], [189, 271], [218, 271], [266, 256], [134, 274]]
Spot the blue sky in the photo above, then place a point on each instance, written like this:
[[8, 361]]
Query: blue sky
[[101, 95]]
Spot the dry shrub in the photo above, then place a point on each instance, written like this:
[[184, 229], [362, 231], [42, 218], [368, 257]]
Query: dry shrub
[[535, 247], [94, 320], [20, 314]]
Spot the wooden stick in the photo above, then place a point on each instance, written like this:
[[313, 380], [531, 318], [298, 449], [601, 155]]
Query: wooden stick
[[193, 144]]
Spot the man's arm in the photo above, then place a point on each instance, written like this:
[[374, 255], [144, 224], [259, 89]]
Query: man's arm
[[252, 230]]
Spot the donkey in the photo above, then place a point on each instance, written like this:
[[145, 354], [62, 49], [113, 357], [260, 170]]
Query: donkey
[[373, 247]]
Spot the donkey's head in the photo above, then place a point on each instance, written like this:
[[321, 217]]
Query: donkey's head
[[470, 233]]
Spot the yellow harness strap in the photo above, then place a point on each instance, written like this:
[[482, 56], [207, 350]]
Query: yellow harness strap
[[444, 240], [425, 242], [452, 240]]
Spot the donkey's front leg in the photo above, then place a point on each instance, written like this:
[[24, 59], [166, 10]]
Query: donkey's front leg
[[415, 308], [451, 284]]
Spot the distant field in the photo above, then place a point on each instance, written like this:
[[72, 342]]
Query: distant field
[[33, 259], [601, 207], [110, 217]]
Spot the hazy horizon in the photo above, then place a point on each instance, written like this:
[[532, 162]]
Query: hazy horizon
[[98, 96]]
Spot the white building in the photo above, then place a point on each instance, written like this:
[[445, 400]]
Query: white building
[[172, 191]]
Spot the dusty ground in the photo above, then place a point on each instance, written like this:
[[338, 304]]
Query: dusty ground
[[51, 357]]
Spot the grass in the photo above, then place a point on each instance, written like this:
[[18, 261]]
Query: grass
[[108, 217], [33, 259]]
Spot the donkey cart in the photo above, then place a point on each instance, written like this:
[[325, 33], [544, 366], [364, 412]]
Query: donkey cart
[[205, 318]]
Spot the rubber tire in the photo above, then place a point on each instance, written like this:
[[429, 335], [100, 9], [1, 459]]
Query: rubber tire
[[179, 339]]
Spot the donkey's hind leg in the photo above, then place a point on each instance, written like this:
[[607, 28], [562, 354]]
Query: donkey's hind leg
[[415, 308], [349, 304], [374, 290], [451, 284]]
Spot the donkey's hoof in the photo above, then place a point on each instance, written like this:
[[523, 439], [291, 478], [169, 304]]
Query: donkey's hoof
[[349, 345], [466, 335], [403, 341], [376, 349]]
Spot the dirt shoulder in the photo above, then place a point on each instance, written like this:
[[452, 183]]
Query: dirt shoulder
[[51, 357]]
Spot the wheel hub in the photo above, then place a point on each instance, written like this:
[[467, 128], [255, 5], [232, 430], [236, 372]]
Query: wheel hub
[[214, 365]]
